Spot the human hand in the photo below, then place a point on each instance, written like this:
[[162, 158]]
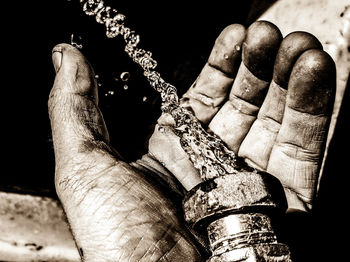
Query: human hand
[[274, 113], [116, 212]]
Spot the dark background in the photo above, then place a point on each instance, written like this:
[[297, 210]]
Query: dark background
[[180, 36]]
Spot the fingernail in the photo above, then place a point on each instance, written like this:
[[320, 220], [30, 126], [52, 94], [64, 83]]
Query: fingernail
[[57, 60]]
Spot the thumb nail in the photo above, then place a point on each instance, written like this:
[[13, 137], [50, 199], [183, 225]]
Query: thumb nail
[[57, 60]]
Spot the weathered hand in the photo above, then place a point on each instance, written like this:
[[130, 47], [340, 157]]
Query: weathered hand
[[272, 112], [118, 212]]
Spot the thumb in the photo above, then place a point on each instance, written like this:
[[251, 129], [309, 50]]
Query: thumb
[[72, 67], [76, 121]]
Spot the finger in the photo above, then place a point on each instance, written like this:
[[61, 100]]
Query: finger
[[164, 145], [214, 82], [76, 121], [235, 118], [296, 156], [204, 98], [257, 145], [79, 133]]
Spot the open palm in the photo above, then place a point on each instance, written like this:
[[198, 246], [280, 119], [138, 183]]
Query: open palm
[[268, 98]]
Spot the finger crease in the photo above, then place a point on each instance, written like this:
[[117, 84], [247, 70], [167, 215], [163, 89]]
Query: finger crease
[[227, 74]]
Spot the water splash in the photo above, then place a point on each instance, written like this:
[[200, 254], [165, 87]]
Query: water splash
[[76, 41], [207, 151]]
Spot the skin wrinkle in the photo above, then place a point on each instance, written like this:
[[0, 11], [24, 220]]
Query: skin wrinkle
[[166, 254], [303, 199], [152, 248], [254, 164], [88, 122], [252, 109], [218, 68], [153, 169], [175, 243], [270, 121], [82, 172], [124, 186], [136, 247], [89, 102], [80, 184], [129, 213], [155, 244], [95, 139], [280, 106], [306, 155], [293, 175], [313, 125], [212, 72], [179, 232], [212, 104], [144, 199], [122, 204], [107, 199]]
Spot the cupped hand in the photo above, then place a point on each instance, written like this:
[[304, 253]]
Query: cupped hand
[[268, 98]]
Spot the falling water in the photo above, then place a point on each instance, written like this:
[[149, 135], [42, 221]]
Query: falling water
[[207, 151]]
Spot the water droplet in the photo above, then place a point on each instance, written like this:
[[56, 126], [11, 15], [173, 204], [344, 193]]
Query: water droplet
[[115, 76], [110, 93], [76, 41], [125, 87], [144, 99], [125, 76], [238, 48], [226, 56], [97, 76]]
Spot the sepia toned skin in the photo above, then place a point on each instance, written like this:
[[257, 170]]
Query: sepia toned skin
[[269, 98]]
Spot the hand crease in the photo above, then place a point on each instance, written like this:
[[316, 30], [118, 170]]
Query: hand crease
[[172, 247], [154, 245], [228, 75]]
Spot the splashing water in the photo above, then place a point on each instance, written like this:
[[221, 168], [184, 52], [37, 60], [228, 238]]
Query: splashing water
[[207, 152]]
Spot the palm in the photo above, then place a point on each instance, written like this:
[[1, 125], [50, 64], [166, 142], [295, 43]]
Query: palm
[[117, 212], [275, 115]]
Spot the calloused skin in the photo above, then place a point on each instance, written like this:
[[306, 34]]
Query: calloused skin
[[269, 98]]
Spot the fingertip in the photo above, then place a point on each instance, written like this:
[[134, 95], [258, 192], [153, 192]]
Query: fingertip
[[63, 47], [260, 47], [226, 53], [312, 83], [66, 55], [292, 46], [57, 55], [72, 66], [57, 60]]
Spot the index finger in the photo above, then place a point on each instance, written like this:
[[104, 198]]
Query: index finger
[[213, 84]]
